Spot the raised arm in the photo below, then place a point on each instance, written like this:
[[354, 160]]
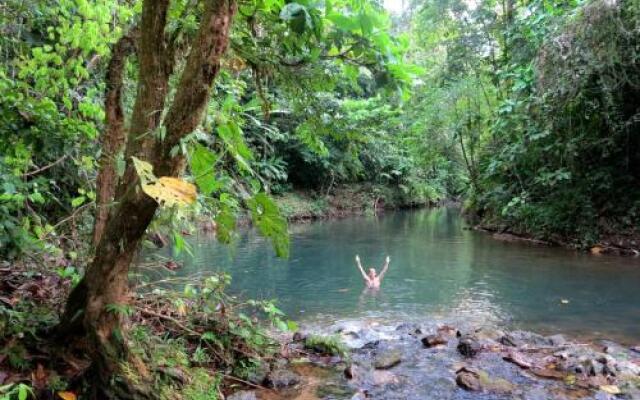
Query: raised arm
[[366, 278], [385, 267]]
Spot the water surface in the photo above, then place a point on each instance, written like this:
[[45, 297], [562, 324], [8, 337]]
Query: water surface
[[439, 270]]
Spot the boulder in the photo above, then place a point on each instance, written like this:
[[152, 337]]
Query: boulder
[[557, 340], [409, 328], [281, 378], [387, 359], [616, 350], [488, 333], [258, 374], [446, 330], [382, 378], [523, 338], [433, 340], [474, 380], [468, 345], [468, 379], [371, 345], [518, 359]]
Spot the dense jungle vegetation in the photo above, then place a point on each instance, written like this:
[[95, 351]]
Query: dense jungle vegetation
[[122, 118]]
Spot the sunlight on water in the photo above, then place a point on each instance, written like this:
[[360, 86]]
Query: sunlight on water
[[438, 269]]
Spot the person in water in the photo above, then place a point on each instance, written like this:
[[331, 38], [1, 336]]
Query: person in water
[[373, 280]]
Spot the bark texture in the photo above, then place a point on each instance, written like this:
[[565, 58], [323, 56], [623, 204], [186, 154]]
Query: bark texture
[[94, 306], [113, 138]]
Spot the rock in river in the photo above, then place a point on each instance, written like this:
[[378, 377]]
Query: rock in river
[[433, 340], [468, 379], [387, 359], [468, 346]]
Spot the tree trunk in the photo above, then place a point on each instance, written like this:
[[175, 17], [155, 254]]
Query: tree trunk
[[98, 304], [112, 140]]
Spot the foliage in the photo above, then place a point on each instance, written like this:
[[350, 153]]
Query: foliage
[[50, 91], [18, 391], [568, 164], [205, 330], [331, 345]]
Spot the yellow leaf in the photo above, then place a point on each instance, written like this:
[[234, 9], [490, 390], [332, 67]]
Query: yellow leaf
[[144, 170], [168, 191], [67, 395], [611, 389]]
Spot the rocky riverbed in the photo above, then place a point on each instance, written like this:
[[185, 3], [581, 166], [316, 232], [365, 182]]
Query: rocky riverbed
[[441, 361]]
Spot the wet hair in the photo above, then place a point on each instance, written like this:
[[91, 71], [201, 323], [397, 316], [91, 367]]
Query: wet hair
[[372, 270]]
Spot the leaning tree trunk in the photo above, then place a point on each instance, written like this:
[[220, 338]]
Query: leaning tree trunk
[[95, 306]]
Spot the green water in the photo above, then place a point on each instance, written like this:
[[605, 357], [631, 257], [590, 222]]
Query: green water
[[439, 270]]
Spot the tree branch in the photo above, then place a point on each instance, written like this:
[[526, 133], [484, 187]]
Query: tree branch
[[194, 89], [113, 139], [46, 167]]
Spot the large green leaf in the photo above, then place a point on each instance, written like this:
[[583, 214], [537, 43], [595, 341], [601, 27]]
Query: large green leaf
[[267, 218], [231, 135], [202, 167], [297, 16]]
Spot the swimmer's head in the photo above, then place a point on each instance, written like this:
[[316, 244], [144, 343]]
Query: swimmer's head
[[372, 272]]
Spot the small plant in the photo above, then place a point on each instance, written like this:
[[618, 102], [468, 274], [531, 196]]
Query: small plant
[[69, 273], [14, 391], [326, 345]]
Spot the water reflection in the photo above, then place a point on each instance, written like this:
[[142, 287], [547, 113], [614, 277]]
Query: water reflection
[[438, 269]]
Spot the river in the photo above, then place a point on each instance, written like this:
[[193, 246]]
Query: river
[[440, 270]]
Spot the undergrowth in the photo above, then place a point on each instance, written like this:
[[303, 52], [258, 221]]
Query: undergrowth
[[194, 340]]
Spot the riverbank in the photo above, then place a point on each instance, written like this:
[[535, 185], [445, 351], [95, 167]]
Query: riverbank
[[368, 199], [620, 244], [438, 361], [346, 200]]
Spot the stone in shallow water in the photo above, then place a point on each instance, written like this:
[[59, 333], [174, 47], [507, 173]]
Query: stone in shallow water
[[523, 338], [409, 328], [557, 340], [387, 359], [433, 340], [468, 346], [518, 359], [488, 333], [447, 330], [382, 378], [350, 372], [468, 379], [474, 380], [333, 392], [281, 378]]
